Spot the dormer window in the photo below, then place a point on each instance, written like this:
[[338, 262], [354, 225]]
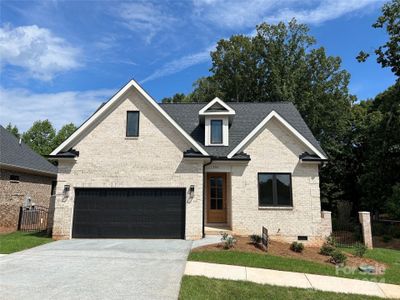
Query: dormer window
[[216, 131], [216, 117]]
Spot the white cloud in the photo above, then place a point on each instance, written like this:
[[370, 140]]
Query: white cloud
[[22, 107], [180, 64], [240, 14], [42, 54], [145, 18]]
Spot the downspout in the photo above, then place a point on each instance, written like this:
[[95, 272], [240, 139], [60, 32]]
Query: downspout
[[204, 194]]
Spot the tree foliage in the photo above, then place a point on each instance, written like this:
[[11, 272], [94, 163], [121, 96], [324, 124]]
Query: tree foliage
[[40, 137], [388, 54], [14, 130], [63, 134]]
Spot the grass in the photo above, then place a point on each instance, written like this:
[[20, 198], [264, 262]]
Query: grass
[[198, 287], [390, 257], [18, 241]]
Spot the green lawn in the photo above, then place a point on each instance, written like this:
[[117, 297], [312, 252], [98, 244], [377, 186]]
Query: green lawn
[[17, 241], [390, 257], [198, 287]]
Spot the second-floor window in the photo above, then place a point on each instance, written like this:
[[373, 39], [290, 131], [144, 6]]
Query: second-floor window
[[216, 132], [132, 124]]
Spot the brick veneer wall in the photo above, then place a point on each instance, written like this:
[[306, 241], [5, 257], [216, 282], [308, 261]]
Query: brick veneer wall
[[108, 159], [276, 149], [13, 194]]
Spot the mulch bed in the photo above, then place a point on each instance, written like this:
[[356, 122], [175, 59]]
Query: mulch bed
[[276, 248]]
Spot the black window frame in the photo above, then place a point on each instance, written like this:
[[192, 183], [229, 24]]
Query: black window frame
[[222, 132], [138, 122], [274, 189]]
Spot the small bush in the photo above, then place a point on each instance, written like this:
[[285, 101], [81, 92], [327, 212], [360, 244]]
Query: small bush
[[297, 247], [330, 240], [228, 241], [338, 257], [387, 238], [360, 249], [255, 239], [327, 249]]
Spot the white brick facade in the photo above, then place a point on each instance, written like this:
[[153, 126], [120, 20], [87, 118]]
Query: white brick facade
[[108, 159], [155, 159]]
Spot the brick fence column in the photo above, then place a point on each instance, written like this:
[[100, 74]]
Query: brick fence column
[[365, 220], [326, 223]]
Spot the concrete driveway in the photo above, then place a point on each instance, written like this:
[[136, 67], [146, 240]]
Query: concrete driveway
[[95, 269]]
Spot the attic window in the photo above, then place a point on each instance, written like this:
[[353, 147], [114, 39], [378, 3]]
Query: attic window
[[216, 131], [132, 124]]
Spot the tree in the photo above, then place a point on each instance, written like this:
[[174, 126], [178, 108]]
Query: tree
[[63, 134], [14, 130], [177, 98], [40, 137], [388, 54]]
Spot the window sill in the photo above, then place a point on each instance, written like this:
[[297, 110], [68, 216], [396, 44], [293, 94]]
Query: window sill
[[275, 208], [131, 138]]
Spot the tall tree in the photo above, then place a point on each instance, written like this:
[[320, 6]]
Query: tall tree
[[63, 134], [388, 54], [14, 130], [40, 137], [177, 98]]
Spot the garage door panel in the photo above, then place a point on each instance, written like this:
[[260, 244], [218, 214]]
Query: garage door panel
[[129, 213]]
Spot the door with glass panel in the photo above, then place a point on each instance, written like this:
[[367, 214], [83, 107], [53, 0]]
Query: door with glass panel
[[216, 195]]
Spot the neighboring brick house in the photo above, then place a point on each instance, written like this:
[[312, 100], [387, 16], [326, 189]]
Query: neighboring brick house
[[139, 169], [23, 174]]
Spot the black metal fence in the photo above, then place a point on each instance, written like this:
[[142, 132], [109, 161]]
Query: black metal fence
[[33, 218], [347, 234], [388, 229]]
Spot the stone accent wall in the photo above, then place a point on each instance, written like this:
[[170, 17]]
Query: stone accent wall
[[108, 159], [13, 194], [276, 149]]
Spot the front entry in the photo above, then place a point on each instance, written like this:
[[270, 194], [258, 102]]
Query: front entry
[[216, 198]]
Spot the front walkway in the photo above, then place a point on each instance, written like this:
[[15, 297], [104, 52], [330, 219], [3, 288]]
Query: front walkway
[[293, 279]]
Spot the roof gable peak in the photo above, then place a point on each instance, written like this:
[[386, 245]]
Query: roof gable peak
[[216, 107]]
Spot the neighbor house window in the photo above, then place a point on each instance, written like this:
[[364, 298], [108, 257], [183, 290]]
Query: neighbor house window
[[132, 124], [274, 189], [216, 131], [14, 178]]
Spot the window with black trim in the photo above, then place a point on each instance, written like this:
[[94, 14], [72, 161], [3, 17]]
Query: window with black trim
[[216, 131], [132, 124], [275, 189]]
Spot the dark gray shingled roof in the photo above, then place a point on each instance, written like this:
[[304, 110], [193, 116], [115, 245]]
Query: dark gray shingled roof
[[20, 155], [248, 116]]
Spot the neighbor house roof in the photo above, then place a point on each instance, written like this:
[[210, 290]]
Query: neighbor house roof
[[18, 155], [248, 116]]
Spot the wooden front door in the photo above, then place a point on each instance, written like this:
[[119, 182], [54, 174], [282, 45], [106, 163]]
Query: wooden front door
[[216, 195]]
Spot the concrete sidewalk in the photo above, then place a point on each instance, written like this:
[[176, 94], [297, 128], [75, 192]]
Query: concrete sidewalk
[[293, 279]]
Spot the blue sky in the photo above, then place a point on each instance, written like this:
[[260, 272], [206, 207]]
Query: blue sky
[[61, 59]]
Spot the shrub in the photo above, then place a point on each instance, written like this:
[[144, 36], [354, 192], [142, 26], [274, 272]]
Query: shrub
[[228, 241], [331, 240], [327, 249], [387, 238], [360, 249], [338, 257], [255, 239], [297, 247]]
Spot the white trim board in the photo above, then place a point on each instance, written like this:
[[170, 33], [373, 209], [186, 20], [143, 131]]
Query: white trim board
[[286, 124], [229, 110], [68, 142]]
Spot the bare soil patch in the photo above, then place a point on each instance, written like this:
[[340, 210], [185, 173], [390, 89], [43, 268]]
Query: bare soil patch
[[276, 248]]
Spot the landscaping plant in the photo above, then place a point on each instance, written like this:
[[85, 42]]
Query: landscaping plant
[[228, 241], [255, 239], [297, 247], [328, 247], [360, 249], [338, 257]]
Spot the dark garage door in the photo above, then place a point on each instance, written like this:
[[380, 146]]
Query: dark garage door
[[129, 213]]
